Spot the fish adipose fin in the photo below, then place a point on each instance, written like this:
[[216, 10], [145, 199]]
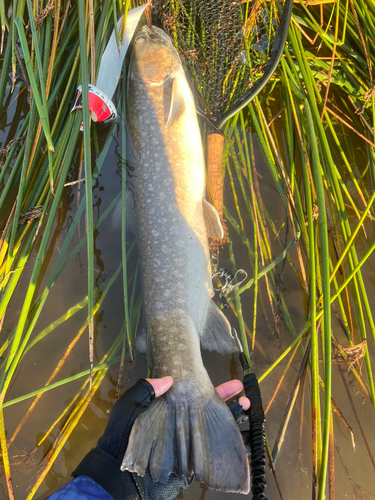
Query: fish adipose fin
[[173, 437], [216, 335], [212, 220], [177, 105]]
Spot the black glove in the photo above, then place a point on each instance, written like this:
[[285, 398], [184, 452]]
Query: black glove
[[102, 464]]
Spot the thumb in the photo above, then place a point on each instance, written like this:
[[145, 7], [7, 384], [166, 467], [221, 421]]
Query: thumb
[[160, 385]]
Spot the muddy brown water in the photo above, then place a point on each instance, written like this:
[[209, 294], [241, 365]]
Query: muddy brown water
[[293, 467]]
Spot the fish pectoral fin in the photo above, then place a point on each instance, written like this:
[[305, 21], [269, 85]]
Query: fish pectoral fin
[[212, 220], [130, 218], [177, 105], [216, 335], [141, 341]]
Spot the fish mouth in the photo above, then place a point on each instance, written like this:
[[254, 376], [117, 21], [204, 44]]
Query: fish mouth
[[151, 32], [154, 34]]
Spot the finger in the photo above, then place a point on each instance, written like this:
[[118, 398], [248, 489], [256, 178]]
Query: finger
[[244, 402], [160, 385], [229, 389]]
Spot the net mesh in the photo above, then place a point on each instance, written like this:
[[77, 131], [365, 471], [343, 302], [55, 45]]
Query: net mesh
[[223, 44]]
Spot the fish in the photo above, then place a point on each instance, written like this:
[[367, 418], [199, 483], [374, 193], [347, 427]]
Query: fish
[[189, 430]]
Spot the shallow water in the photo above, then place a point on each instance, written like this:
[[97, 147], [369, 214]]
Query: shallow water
[[293, 468]]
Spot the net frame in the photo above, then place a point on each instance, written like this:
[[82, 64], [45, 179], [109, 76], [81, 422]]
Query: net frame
[[229, 48]]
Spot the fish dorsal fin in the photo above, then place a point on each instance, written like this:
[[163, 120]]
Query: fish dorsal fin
[[177, 105], [216, 335], [212, 221]]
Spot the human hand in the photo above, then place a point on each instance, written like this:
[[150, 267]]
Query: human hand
[[230, 389]]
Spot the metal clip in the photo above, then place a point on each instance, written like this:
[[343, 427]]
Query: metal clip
[[228, 287], [214, 265]]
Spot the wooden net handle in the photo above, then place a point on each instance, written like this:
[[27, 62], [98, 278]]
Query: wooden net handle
[[215, 147]]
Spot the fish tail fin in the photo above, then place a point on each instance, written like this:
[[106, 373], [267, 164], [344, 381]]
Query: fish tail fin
[[175, 437]]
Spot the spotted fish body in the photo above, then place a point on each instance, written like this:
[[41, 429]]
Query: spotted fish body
[[189, 429]]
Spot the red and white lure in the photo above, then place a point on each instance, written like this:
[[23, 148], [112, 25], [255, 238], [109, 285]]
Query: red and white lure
[[100, 95]]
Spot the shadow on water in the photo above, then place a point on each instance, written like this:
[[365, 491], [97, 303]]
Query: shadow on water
[[294, 463]]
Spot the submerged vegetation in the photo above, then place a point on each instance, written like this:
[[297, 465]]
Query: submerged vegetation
[[314, 123]]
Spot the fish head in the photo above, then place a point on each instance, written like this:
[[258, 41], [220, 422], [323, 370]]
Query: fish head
[[154, 57]]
